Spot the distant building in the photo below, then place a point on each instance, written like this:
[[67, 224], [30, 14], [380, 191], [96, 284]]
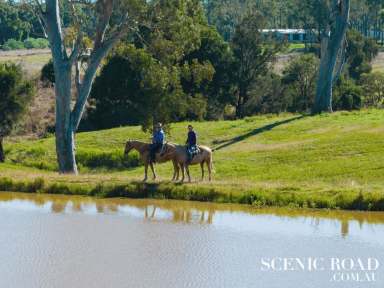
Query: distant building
[[291, 35]]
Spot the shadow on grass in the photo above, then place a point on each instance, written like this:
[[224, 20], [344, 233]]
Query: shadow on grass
[[256, 132]]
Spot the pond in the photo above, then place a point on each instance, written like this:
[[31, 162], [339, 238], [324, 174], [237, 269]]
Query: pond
[[62, 241]]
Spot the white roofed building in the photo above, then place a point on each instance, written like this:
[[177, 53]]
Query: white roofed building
[[291, 35]]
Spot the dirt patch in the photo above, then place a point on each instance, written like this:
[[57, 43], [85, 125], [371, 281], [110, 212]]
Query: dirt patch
[[282, 61], [378, 62], [24, 52]]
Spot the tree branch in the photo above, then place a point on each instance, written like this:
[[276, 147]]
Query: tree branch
[[40, 15], [342, 60], [104, 9], [86, 85], [54, 31], [78, 77], [76, 49]]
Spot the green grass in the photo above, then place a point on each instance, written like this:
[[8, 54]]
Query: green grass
[[32, 58], [292, 47], [31, 63], [326, 161]]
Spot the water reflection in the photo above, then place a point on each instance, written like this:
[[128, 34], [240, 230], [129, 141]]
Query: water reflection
[[178, 211]]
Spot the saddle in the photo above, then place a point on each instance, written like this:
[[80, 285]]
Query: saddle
[[164, 150]]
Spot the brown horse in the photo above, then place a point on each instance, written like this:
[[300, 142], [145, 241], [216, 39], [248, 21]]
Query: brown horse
[[204, 157], [167, 154]]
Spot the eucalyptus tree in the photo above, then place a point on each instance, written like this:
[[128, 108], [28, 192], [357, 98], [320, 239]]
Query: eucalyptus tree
[[111, 20], [333, 44], [254, 53]]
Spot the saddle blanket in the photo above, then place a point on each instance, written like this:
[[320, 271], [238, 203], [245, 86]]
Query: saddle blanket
[[193, 150]]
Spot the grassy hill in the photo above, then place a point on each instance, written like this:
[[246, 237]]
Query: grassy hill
[[331, 161]]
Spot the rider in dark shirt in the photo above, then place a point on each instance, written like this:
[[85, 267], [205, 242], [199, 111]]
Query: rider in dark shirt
[[192, 138], [191, 143]]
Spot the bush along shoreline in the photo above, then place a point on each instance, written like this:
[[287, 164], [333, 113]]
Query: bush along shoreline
[[257, 197]]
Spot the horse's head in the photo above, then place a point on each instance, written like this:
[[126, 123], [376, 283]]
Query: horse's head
[[128, 147]]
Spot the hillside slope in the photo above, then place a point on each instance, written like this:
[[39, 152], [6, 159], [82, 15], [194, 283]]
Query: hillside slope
[[344, 150]]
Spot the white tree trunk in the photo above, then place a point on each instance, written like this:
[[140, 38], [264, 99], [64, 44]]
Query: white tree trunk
[[68, 119], [65, 144], [331, 45]]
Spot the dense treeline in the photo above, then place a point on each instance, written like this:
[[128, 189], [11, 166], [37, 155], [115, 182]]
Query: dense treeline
[[188, 71], [184, 69], [210, 60], [17, 22], [367, 16]]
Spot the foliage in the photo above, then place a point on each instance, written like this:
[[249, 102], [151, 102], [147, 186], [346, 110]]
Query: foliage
[[14, 24], [36, 43], [255, 196], [176, 27], [215, 59], [12, 44], [348, 95], [253, 53], [360, 52], [47, 75], [366, 15], [373, 89], [300, 77], [29, 43], [131, 89], [267, 96], [180, 70], [15, 94]]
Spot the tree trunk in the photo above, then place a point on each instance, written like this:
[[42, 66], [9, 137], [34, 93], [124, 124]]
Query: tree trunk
[[323, 101], [65, 143], [239, 108], [67, 119], [331, 45], [2, 156], [240, 104]]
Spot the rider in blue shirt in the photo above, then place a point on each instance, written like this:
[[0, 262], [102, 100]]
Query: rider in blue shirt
[[158, 140]]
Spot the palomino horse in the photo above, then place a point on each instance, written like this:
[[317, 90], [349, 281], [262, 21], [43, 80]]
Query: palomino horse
[[204, 156], [144, 151]]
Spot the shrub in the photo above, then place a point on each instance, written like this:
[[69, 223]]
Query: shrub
[[35, 43], [15, 95], [267, 96], [373, 87], [360, 52], [300, 78], [29, 43], [47, 74], [348, 96], [13, 44], [42, 43]]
